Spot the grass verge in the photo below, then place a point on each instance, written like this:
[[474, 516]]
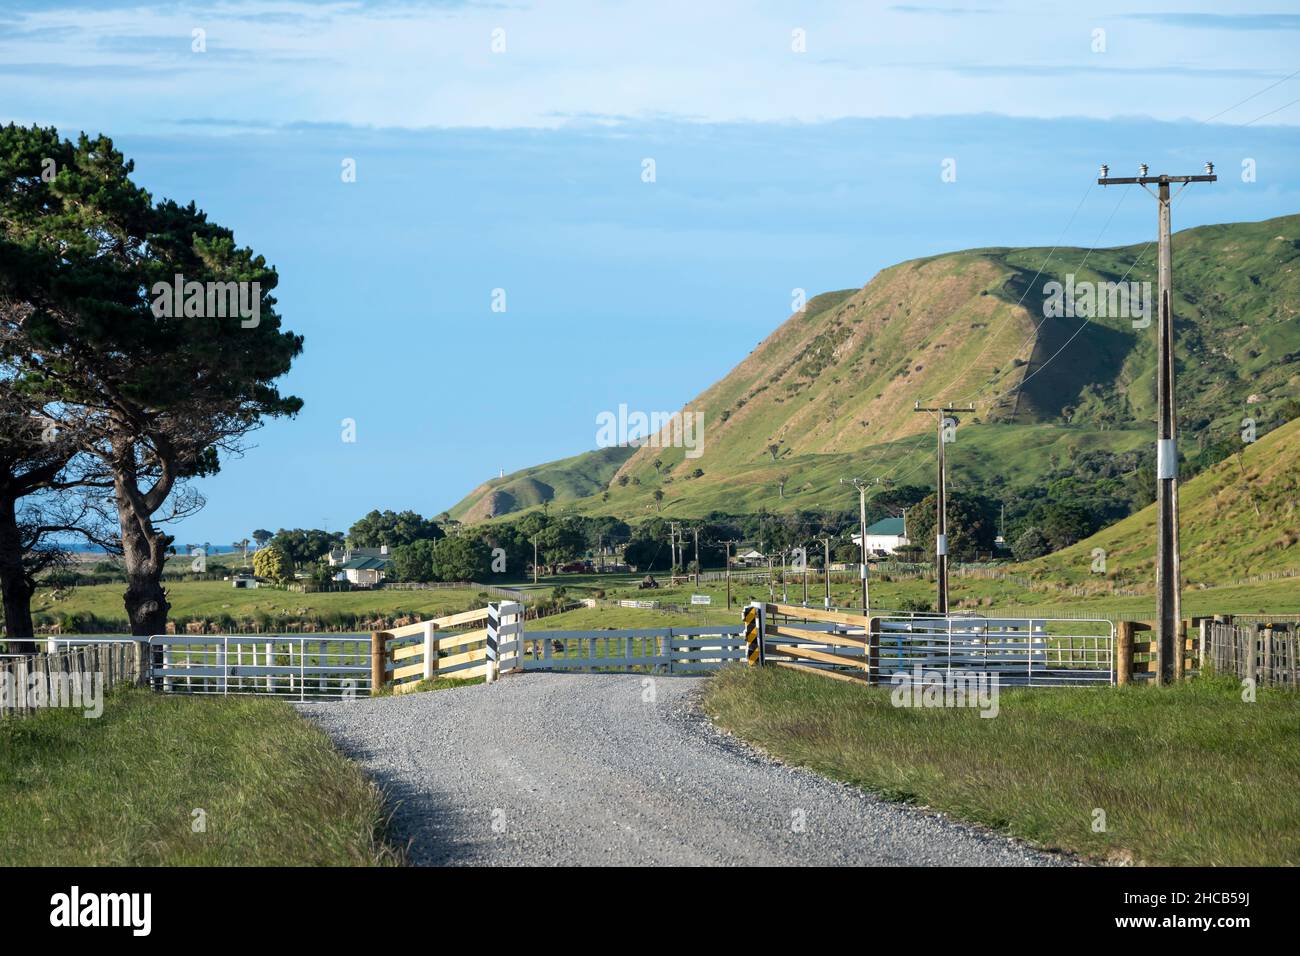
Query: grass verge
[[123, 789], [432, 684], [1187, 775]]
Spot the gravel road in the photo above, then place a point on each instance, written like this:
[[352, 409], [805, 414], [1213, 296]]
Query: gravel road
[[583, 769]]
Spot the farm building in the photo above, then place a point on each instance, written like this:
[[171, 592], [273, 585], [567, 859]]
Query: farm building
[[885, 536]]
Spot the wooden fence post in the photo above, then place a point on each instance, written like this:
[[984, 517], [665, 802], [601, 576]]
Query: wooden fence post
[[1124, 652], [378, 659], [430, 651], [1252, 653], [1268, 655]]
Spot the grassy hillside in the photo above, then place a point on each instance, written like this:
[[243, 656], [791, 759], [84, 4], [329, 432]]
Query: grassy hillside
[[563, 480], [1236, 519], [830, 393]]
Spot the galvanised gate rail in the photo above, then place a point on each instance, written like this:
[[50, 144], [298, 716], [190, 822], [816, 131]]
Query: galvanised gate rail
[[888, 647], [1028, 652], [300, 667], [1031, 652], [671, 650]]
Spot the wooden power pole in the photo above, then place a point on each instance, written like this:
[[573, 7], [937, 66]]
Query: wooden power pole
[[1169, 610], [826, 570], [729, 575], [697, 557], [941, 504], [862, 487]]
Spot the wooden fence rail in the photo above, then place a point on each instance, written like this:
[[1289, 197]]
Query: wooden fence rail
[[31, 682]]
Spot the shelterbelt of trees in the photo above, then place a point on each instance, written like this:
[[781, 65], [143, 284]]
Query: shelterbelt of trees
[[1074, 500]]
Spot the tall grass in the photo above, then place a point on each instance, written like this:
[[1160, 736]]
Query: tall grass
[[124, 789], [1186, 775]]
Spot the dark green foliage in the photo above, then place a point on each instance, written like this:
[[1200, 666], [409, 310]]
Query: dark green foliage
[[390, 528]]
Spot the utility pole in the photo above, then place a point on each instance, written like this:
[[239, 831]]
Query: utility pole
[[771, 582], [672, 548], [805, 577], [862, 487], [534, 559], [785, 585], [697, 557], [826, 570], [941, 505], [1169, 610], [729, 575]]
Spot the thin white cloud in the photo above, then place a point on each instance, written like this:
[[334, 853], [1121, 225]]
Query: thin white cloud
[[432, 64]]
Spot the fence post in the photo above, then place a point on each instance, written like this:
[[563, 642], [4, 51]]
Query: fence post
[[430, 651], [378, 655], [493, 642], [1207, 626], [1268, 654], [873, 652], [1124, 652], [755, 631], [1252, 653], [1295, 649]]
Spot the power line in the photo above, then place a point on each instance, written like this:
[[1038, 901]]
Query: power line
[[1271, 112], [1046, 260], [1252, 96], [1087, 321], [1033, 336]]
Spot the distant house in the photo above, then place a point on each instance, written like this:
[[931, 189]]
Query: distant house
[[750, 558], [244, 581], [362, 566], [340, 556], [884, 537]]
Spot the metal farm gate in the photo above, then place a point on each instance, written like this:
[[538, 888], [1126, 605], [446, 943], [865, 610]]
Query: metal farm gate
[[306, 667], [1027, 652], [885, 648]]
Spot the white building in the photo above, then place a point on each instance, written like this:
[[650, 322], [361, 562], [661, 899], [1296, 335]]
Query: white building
[[884, 537]]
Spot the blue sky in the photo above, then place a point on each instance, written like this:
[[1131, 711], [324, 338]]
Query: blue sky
[[775, 169]]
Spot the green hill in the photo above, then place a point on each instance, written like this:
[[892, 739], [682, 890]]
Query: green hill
[[1236, 519], [564, 480], [829, 394]]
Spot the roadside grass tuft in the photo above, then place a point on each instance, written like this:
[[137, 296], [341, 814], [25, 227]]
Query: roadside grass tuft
[[122, 789], [435, 683], [1186, 775]]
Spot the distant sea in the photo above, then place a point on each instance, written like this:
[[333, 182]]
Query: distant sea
[[182, 547]]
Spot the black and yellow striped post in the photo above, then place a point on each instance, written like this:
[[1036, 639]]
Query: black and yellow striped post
[[754, 630]]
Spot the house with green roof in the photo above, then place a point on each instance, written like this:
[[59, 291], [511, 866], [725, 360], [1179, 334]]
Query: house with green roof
[[885, 536], [361, 566]]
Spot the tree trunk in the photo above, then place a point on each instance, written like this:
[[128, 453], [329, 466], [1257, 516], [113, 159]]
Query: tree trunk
[[144, 552], [15, 588]]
